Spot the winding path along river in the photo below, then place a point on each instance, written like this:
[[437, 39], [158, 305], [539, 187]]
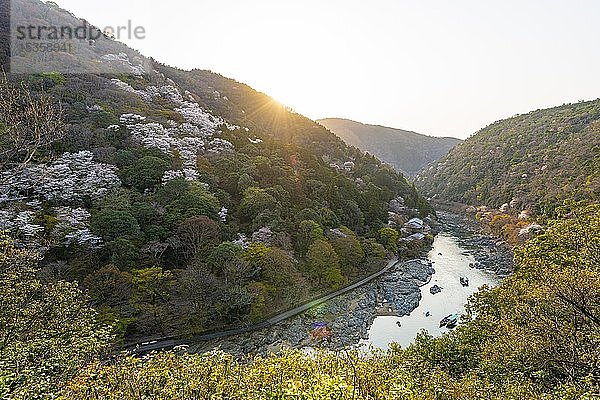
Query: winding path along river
[[451, 262]]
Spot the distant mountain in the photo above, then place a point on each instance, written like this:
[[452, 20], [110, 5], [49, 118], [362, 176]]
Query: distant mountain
[[407, 151], [532, 161]]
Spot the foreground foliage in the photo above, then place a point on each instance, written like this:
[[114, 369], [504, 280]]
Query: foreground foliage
[[47, 331], [535, 336]]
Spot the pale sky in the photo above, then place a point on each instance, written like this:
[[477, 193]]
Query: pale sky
[[443, 68]]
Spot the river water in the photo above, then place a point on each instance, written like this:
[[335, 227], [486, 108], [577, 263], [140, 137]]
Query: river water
[[451, 262]]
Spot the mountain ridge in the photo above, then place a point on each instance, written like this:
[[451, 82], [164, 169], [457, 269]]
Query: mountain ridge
[[407, 151], [531, 161]]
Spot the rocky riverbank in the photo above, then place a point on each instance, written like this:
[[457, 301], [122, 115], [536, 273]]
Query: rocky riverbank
[[490, 253], [348, 316], [401, 288]]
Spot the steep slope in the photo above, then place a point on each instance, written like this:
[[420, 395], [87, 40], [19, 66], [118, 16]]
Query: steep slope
[[408, 152], [532, 161], [184, 201]]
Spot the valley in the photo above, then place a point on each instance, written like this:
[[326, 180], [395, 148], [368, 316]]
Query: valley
[[408, 152], [175, 234]]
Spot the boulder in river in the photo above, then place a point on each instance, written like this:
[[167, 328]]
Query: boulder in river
[[435, 289]]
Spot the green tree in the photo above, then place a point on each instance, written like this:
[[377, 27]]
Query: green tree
[[146, 173], [112, 224], [277, 268], [255, 253], [308, 231], [223, 254], [172, 190], [262, 297], [373, 250], [124, 158], [328, 218], [235, 303], [389, 238], [145, 213], [196, 201], [323, 264], [103, 119], [152, 288], [123, 253], [350, 252], [245, 182], [254, 202]]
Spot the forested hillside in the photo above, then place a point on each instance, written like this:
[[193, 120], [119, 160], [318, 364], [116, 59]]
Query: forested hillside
[[534, 160], [408, 152], [184, 202]]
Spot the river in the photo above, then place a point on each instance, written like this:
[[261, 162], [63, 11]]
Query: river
[[451, 262]]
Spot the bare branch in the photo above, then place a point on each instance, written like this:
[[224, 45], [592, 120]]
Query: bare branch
[[28, 123]]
